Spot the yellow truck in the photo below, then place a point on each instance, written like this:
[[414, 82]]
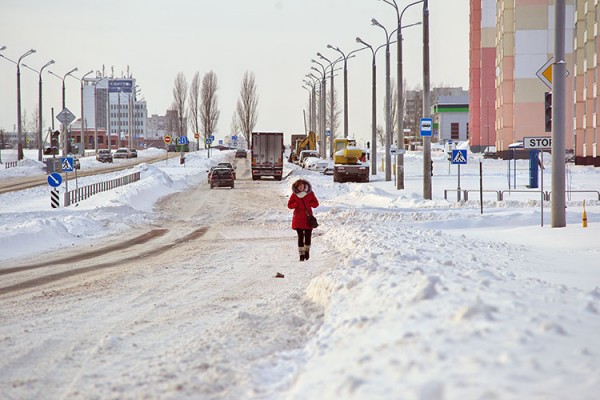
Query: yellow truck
[[349, 162]]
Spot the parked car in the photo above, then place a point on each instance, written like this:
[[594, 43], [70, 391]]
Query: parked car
[[227, 165], [241, 154], [210, 172], [323, 166], [221, 177], [171, 147], [122, 153], [133, 153], [307, 153], [104, 155], [310, 162]]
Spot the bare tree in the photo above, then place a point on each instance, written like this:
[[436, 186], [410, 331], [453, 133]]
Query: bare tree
[[209, 112], [235, 128], [194, 106], [2, 138], [337, 112], [247, 106], [180, 90], [380, 133]]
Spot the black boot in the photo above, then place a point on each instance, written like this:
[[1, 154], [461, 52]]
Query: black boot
[[301, 252], [306, 252]]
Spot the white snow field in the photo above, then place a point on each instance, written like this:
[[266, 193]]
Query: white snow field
[[165, 289]]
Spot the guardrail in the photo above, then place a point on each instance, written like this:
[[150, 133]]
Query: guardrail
[[84, 192], [10, 164], [500, 193]]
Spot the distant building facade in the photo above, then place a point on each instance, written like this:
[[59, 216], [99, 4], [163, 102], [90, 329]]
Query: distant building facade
[[586, 124], [111, 113], [451, 118], [510, 40]]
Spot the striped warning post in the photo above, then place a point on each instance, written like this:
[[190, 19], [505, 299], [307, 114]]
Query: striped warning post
[[54, 198]]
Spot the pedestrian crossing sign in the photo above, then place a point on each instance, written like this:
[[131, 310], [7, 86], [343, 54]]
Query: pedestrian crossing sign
[[67, 164], [459, 156]]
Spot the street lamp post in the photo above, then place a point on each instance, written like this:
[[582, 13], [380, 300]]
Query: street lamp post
[[82, 82], [19, 127], [313, 105], [323, 106], [40, 110], [373, 106], [345, 57], [331, 101], [306, 128], [400, 89], [64, 127], [426, 104], [388, 108]]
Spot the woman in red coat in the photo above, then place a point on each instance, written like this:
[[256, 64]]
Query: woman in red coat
[[302, 201]]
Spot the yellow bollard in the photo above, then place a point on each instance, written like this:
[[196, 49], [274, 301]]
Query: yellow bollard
[[382, 166], [584, 217]]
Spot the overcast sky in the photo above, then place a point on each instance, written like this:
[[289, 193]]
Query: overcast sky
[[275, 39]]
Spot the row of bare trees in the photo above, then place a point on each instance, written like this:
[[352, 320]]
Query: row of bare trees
[[197, 105]]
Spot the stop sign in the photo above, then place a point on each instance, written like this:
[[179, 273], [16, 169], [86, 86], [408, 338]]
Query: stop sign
[[167, 139]]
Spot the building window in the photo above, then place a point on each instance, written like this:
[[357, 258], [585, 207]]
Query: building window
[[454, 131]]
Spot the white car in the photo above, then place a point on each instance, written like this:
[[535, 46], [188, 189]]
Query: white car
[[310, 163], [323, 166]]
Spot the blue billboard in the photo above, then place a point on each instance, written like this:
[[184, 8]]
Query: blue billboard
[[120, 85]]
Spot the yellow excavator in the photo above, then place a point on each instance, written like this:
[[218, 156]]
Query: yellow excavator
[[349, 163], [308, 143]]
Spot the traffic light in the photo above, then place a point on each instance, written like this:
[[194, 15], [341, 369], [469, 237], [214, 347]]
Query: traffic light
[[54, 142], [548, 111]]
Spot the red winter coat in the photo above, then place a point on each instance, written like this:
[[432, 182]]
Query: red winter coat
[[302, 205]]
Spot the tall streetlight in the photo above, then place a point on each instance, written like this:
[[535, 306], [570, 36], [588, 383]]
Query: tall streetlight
[[40, 108], [426, 104], [331, 100], [306, 128], [313, 105], [323, 106], [373, 105], [19, 128], [82, 81], [388, 104], [400, 83], [345, 58], [64, 133]]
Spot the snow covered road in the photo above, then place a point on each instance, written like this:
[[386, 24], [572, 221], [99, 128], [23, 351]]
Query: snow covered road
[[190, 320]]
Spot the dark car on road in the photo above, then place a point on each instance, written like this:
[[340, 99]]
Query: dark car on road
[[241, 154], [221, 177], [227, 165]]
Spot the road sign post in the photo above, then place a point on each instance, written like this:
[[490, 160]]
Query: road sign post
[[459, 157], [539, 143], [66, 118]]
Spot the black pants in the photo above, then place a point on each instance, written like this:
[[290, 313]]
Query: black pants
[[304, 236]]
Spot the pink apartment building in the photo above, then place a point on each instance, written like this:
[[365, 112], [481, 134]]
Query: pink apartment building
[[510, 41]]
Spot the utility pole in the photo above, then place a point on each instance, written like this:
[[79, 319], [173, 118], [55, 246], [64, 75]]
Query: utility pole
[[558, 118], [426, 104]]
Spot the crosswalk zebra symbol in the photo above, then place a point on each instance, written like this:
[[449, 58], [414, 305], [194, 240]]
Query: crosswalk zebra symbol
[[459, 156], [67, 164]]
